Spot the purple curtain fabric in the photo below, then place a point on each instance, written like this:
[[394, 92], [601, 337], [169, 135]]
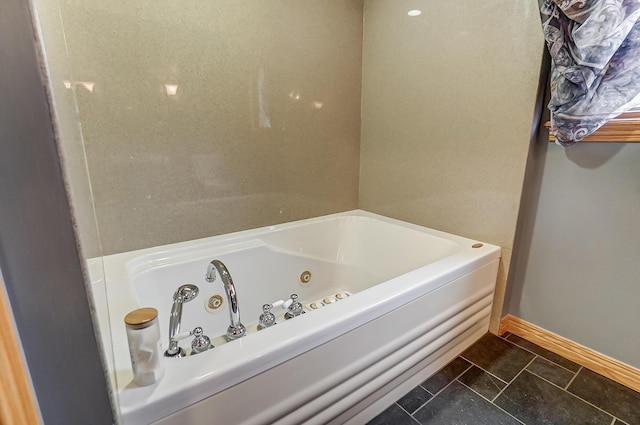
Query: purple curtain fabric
[[595, 70]]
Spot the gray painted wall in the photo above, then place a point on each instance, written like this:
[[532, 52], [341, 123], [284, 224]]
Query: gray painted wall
[[38, 253], [576, 269]]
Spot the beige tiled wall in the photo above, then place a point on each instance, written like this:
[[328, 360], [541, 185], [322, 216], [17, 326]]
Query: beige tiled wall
[[66, 120], [448, 101], [203, 118]]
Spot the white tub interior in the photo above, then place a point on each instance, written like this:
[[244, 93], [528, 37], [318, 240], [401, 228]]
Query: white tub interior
[[343, 254], [384, 263]]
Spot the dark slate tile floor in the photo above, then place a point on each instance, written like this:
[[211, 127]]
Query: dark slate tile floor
[[509, 380]]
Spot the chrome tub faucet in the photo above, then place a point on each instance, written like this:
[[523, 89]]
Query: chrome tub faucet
[[236, 329]]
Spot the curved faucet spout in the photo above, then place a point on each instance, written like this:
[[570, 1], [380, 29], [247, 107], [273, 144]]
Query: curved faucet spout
[[236, 328]]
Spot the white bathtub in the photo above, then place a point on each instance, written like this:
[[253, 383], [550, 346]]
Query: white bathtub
[[419, 298]]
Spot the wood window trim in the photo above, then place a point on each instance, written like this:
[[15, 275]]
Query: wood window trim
[[625, 128]]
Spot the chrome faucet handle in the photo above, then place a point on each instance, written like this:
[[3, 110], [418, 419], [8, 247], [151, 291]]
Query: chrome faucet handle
[[200, 342], [295, 308], [267, 318]]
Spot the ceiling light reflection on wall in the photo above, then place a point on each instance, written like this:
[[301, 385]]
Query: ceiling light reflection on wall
[[294, 95], [171, 89], [87, 85], [70, 85], [414, 12]]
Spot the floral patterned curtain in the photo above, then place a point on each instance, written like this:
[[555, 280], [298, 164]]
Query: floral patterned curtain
[[595, 70]]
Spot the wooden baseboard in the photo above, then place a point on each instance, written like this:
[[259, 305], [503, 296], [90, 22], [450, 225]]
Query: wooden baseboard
[[17, 403], [604, 365]]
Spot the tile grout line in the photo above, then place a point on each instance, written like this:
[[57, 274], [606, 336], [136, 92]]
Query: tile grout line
[[614, 419], [441, 390], [571, 394], [456, 380], [491, 402], [588, 402], [429, 392], [573, 379], [482, 369], [420, 407], [594, 406], [559, 365], [566, 388], [567, 391], [547, 381], [513, 379], [500, 392], [510, 382], [543, 357], [405, 411], [462, 383]]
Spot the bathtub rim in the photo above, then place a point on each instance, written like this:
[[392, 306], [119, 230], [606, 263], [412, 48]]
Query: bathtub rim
[[147, 258]]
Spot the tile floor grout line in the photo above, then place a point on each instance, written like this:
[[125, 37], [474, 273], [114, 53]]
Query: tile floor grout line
[[522, 422], [441, 390], [540, 355], [415, 420], [593, 405], [546, 380], [559, 365], [615, 420], [460, 382], [571, 394], [513, 379], [405, 411], [557, 386], [456, 380], [420, 385], [482, 369], [491, 402], [422, 405], [573, 379], [429, 392]]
